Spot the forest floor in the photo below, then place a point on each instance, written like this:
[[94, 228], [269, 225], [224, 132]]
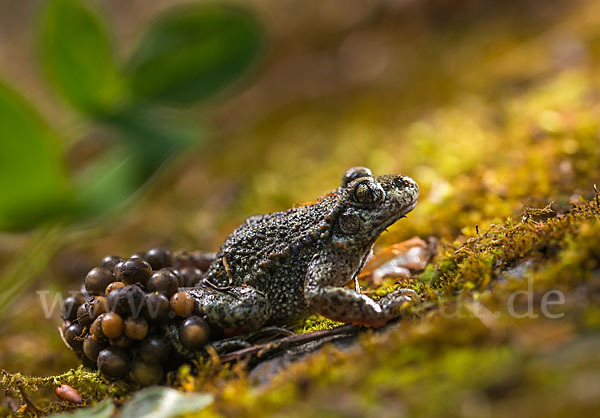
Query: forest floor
[[507, 156]]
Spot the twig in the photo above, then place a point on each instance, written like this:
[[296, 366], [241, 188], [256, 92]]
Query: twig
[[27, 401], [262, 349], [531, 212]]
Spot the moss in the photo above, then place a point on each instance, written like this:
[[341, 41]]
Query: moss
[[316, 323], [473, 264], [91, 386], [461, 350]]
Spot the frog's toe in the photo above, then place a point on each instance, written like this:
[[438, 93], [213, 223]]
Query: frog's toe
[[392, 302], [398, 297]]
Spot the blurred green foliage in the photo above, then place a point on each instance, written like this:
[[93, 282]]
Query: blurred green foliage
[[189, 54], [33, 178], [181, 62], [77, 57]]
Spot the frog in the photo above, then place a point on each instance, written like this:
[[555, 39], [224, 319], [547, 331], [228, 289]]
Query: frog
[[279, 268]]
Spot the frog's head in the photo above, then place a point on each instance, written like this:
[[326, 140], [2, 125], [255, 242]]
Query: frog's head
[[369, 204]]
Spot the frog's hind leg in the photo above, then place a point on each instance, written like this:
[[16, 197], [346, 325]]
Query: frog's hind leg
[[237, 308]]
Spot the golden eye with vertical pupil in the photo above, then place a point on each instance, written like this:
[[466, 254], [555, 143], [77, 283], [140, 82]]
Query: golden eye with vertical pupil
[[364, 193]]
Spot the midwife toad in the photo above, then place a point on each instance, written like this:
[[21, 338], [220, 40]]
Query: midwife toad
[[277, 268]]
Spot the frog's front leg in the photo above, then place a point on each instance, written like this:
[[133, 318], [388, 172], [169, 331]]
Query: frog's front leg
[[238, 308], [323, 295]]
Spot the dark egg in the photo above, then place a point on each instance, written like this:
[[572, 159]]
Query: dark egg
[[157, 307], [154, 349], [146, 374], [91, 348], [97, 279], [191, 276], [74, 336], [194, 333], [134, 270], [113, 362], [159, 258], [110, 261], [163, 281], [69, 309]]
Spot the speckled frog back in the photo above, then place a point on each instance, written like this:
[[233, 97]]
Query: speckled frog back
[[271, 252]]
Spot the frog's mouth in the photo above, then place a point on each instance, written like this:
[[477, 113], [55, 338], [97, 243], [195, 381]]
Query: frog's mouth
[[408, 208], [401, 213]]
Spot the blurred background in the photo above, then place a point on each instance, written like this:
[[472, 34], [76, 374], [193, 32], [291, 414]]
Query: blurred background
[[113, 140]]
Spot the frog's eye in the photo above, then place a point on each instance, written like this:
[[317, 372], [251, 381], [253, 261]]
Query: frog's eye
[[366, 193]]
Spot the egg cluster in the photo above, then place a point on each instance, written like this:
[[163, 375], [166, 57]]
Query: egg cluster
[[117, 322]]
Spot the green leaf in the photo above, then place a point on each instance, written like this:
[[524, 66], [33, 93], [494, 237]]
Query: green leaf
[[194, 52], [33, 180], [163, 402], [104, 409], [77, 57], [109, 183], [149, 141]]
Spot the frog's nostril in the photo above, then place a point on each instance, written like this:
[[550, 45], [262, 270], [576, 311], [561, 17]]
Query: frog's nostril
[[401, 182], [406, 183], [412, 184]]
